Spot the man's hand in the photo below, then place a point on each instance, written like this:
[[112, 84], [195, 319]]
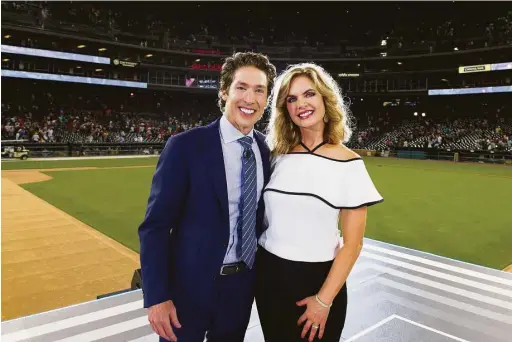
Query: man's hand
[[160, 316]]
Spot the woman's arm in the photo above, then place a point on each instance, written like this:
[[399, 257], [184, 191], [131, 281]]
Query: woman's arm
[[353, 225]]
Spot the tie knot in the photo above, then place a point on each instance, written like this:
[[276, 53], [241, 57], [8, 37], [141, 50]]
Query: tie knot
[[246, 141]]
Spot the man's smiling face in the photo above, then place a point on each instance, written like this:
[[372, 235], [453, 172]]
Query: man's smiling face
[[246, 98]]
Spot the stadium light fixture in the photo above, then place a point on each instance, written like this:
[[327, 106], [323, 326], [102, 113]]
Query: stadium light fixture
[[455, 49], [81, 46], [7, 36], [198, 60], [423, 114], [415, 113], [399, 63], [102, 49], [5, 60], [149, 55], [98, 70]]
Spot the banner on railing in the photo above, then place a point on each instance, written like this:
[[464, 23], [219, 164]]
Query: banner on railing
[[466, 91], [485, 67], [72, 79], [118, 62], [20, 50], [474, 68]]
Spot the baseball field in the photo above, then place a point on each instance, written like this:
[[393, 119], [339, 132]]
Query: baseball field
[[460, 211]]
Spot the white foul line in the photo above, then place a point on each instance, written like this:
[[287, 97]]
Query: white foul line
[[373, 327], [431, 329], [446, 301], [386, 320]]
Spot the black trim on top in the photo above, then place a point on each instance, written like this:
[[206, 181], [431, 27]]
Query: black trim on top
[[336, 160], [367, 204], [312, 152]]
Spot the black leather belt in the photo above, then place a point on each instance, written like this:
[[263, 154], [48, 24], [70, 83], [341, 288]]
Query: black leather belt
[[230, 269]]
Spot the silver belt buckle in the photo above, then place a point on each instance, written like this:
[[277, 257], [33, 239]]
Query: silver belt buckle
[[222, 269]]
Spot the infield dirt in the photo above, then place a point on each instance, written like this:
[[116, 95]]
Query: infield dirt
[[50, 259]]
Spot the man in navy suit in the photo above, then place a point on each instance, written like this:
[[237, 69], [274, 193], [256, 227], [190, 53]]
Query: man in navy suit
[[205, 213]]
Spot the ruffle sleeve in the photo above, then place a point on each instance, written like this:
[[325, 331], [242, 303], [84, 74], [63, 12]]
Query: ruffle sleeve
[[339, 184]]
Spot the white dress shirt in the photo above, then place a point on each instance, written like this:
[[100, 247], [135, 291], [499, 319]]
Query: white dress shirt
[[232, 152]]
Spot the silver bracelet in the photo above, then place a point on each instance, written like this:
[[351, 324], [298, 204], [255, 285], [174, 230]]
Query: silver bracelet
[[322, 303]]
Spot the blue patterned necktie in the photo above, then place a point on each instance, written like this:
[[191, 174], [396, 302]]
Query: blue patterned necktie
[[246, 225]]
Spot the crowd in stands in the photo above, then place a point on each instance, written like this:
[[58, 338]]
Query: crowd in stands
[[52, 115], [443, 127], [267, 26], [55, 115], [464, 134]]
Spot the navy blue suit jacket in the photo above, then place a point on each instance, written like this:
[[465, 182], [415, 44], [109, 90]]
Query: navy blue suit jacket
[[189, 196]]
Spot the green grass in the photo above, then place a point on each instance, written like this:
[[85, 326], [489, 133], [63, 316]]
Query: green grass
[[111, 200], [457, 211], [43, 164], [461, 211]]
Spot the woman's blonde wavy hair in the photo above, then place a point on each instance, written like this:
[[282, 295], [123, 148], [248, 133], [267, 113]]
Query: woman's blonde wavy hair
[[282, 134]]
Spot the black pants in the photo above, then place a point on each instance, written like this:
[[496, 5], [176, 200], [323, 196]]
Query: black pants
[[229, 316], [280, 283]]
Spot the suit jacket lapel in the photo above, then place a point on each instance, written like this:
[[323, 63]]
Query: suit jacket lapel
[[215, 161]]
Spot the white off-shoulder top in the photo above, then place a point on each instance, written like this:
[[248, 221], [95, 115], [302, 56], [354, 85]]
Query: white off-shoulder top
[[303, 200]]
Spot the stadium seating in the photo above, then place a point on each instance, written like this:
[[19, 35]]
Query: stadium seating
[[44, 112]]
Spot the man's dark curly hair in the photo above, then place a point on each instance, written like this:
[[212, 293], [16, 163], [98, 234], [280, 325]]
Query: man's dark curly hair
[[240, 60]]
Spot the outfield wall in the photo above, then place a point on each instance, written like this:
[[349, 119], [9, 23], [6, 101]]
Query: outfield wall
[[59, 150], [49, 150], [489, 157]]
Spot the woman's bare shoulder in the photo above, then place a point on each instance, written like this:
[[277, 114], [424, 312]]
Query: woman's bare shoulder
[[339, 152]]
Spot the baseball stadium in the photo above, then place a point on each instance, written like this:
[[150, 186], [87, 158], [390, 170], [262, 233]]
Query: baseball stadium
[[91, 92]]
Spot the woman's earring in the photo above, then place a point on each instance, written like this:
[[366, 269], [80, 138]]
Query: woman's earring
[[326, 119]]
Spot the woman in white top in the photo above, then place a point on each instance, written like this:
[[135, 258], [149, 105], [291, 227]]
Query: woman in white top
[[317, 185]]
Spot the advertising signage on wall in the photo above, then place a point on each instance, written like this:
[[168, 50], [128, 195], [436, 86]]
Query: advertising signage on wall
[[206, 52], [344, 74], [216, 67], [118, 62], [474, 68], [485, 67]]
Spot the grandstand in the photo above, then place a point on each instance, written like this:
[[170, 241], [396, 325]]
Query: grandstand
[[422, 81], [384, 72]]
